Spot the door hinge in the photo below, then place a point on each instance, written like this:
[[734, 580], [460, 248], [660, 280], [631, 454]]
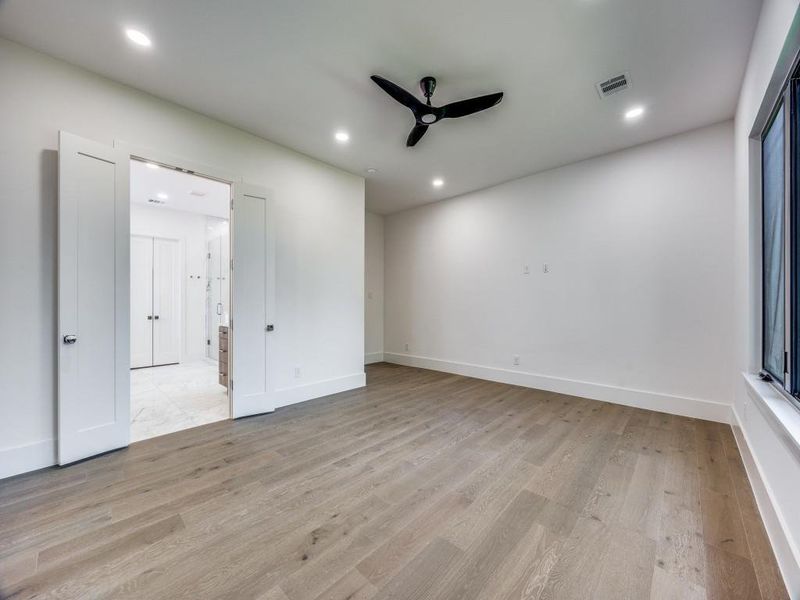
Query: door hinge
[[209, 255], [231, 264], [208, 342], [230, 384]]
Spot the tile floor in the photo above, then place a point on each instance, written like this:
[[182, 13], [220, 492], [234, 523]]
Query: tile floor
[[175, 397]]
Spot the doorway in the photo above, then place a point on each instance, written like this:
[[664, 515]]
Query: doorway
[[179, 299], [94, 293]]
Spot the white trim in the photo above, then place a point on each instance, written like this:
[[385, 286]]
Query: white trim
[[786, 555], [676, 405], [373, 357], [165, 158], [22, 459], [326, 387], [779, 412]]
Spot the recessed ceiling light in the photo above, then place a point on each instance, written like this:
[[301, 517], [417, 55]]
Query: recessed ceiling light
[[634, 113], [153, 166], [372, 170], [438, 182], [342, 136], [162, 196], [137, 37]]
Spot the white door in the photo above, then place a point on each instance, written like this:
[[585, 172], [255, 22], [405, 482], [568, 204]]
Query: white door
[[253, 283], [141, 301], [93, 309], [166, 302]]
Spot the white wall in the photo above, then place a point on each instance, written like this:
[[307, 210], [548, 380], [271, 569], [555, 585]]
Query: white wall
[[190, 231], [319, 246], [373, 277], [773, 466], [636, 307]]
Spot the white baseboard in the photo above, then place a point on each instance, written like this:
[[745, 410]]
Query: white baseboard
[[30, 457], [22, 459], [676, 405], [785, 553], [373, 357], [317, 389]]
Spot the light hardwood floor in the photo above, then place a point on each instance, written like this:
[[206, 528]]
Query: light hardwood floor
[[421, 485]]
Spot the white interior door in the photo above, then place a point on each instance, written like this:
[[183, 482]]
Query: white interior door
[[93, 308], [253, 281], [141, 301], [166, 302]]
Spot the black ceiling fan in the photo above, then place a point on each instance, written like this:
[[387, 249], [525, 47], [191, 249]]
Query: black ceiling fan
[[427, 115]]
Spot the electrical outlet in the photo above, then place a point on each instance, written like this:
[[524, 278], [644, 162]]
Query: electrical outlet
[[545, 268], [516, 360], [526, 270], [297, 372], [406, 347]]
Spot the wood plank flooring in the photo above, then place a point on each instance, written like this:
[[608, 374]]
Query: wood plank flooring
[[422, 485]]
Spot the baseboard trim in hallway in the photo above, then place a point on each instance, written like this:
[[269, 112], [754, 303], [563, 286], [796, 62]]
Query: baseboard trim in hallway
[[675, 405]]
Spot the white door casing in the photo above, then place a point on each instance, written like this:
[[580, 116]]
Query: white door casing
[[93, 299], [253, 302]]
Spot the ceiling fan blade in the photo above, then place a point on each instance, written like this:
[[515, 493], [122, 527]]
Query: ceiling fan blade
[[416, 134], [462, 108], [398, 93]]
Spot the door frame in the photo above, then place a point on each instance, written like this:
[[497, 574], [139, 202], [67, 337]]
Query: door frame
[[170, 161]]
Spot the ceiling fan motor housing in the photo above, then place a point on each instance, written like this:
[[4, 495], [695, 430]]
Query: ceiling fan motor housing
[[427, 85]]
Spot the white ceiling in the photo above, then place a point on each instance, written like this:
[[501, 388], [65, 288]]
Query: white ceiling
[[147, 183], [295, 71]]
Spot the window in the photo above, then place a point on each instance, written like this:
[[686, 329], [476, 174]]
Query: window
[[773, 194], [780, 197]]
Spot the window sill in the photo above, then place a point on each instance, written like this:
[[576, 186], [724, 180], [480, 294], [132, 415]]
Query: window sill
[[779, 411]]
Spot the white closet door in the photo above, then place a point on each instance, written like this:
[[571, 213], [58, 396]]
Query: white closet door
[[253, 282], [166, 302], [141, 301], [93, 310]]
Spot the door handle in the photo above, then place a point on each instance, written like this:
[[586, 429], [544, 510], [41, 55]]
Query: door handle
[[156, 317], [269, 328], [219, 308], [70, 339], [149, 317]]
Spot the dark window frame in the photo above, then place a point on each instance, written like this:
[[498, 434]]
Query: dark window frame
[[789, 99]]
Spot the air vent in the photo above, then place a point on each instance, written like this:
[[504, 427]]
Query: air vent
[[612, 85], [155, 201]]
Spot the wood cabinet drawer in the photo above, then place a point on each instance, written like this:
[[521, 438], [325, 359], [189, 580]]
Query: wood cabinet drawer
[[223, 343], [223, 379]]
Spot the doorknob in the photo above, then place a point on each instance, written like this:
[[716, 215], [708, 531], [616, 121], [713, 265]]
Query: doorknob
[[269, 328], [156, 317], [149, 317], [70, 339]]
